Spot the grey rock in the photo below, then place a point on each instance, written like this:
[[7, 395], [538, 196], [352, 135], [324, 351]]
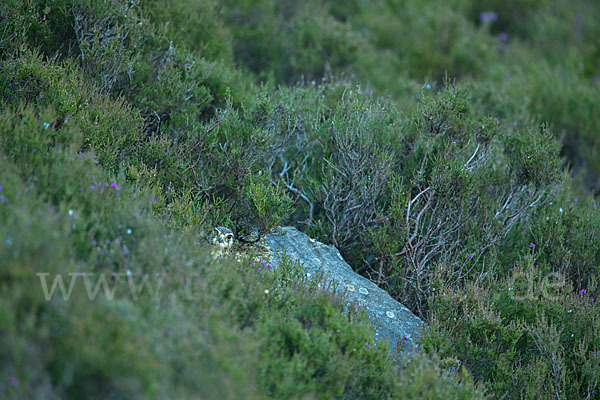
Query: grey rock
[[390, 319]]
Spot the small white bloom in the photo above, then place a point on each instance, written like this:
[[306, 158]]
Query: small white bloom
[[70, 213], [46, 125], [560, 209], [266, 291], [129, 231], [128, 272]]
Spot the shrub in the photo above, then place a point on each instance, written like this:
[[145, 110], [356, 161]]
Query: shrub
[[127, 133], [522, 333]]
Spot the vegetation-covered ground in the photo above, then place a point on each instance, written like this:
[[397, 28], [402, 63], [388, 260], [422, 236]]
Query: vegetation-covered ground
[[449, 149]]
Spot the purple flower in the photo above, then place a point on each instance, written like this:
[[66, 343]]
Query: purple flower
[[532, 245], [470, 256], [583, 291], [259, 269], [92, 188], [1, 188], [14, 381], [94, 243], [269, 266], [515, 124], [367, 345], [575, 200], [503, 36], [113, 185], [41, 95], [488, 16]]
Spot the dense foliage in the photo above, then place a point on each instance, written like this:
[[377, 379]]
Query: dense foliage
[[449, 149]]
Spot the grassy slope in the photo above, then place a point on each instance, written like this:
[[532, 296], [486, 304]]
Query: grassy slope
[[166, 106]]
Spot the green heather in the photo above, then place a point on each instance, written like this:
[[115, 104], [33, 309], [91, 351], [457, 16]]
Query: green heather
[[450, 150]]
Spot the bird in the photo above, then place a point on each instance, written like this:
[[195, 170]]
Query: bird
[[223, 240]]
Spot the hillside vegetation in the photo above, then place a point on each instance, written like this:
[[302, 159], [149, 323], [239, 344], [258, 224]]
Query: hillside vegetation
[[449, 149]]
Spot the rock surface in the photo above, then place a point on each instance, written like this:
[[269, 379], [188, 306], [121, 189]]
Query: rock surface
[[391, 320]]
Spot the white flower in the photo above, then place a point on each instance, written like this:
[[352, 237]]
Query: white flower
[[266, 291], [70, 212]]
